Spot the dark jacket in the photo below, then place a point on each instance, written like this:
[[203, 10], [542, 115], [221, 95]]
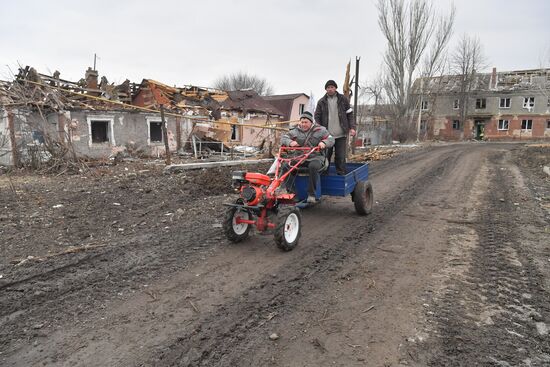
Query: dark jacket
[[345, 112]]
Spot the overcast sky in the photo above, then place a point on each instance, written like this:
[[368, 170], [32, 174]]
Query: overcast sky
[[295, 44]]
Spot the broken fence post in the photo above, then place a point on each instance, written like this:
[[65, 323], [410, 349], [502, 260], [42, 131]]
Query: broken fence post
[[165, 135]]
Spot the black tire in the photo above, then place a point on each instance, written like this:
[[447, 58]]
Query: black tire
[[363, 198], [288, 228], [233, 232]]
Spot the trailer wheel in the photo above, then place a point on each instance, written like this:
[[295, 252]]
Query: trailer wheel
[[288, 228], [363, 198], [236, 232]]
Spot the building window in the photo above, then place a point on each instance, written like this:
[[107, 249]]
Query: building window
[[528, 102], [424, 105], [456, 104], [503, 124], [548, 125], [155, 131], [505, 103], [481, 103], [456, 124], [99, 131], [301, 108], [526, 124], [235, 132]]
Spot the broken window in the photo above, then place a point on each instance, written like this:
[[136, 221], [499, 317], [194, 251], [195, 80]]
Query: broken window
[[301, 108], [456, 124], [528, 102], [38, 137], [503, 124], [155, 131], [456, 104], [100, 131], [423, 125], [424, 105], [505, 103], [234, 132], [481, 103], [526, 124]]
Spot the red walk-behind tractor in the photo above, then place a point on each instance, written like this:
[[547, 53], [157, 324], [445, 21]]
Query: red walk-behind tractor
[[264, 204]]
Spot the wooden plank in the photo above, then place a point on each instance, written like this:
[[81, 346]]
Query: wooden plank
[[174, 168]]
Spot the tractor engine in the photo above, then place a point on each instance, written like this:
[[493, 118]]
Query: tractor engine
[[250, 185]]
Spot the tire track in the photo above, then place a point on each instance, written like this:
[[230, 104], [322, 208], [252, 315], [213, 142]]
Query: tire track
[[498, 313], [220, 338]]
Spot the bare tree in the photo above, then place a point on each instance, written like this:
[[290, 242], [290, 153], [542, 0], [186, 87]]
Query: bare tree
[[243, 80], [416, 41], [374, 90], [466, 61]]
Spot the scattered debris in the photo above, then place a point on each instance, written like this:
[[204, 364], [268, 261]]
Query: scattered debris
[[319, 345], [274, 336], [194, 307], [374, 154], [368, 309]]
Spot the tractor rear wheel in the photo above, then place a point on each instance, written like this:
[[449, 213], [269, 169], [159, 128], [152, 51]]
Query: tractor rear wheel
[[362, 198], [288, 228], [236, 232]]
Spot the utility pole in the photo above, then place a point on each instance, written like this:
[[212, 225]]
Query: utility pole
[[165, 135], [355, 106], [95, 56]]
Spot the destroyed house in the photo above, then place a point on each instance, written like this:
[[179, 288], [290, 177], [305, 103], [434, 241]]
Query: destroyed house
[[218, 116], [93, 118], [493, 106], [246, 107], [291, 105], [196, 108], [98, 119]]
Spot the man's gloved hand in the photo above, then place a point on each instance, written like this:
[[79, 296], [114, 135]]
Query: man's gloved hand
[[293, 144], [321, 145]]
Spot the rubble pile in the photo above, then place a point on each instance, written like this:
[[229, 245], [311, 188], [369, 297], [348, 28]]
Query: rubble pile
[[374, 154]]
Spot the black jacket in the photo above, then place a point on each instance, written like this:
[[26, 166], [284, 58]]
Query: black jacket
[[345, 112]]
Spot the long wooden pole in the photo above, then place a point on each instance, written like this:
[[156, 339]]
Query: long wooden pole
[[13, 141], [165, 136], [355, 106]]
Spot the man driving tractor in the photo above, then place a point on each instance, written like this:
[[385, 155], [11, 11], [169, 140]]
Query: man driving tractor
[[309, 134]]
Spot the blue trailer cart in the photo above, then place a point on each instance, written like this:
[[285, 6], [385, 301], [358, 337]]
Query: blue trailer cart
[[354, 183], [265, 205]]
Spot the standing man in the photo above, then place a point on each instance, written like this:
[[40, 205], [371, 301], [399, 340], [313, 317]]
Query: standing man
[[335, 113]]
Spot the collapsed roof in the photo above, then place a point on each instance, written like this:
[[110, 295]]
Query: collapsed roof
[[30, 88], [495, 82]]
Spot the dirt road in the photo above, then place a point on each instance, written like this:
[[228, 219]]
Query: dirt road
[[130, 268]]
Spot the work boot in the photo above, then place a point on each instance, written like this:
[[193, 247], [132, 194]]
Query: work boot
[[311, 199]]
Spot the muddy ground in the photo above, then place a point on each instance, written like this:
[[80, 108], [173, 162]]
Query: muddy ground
[[127, 266]]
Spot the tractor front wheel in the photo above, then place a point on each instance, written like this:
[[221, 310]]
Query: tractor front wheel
[[236, 232], [288, 228]]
